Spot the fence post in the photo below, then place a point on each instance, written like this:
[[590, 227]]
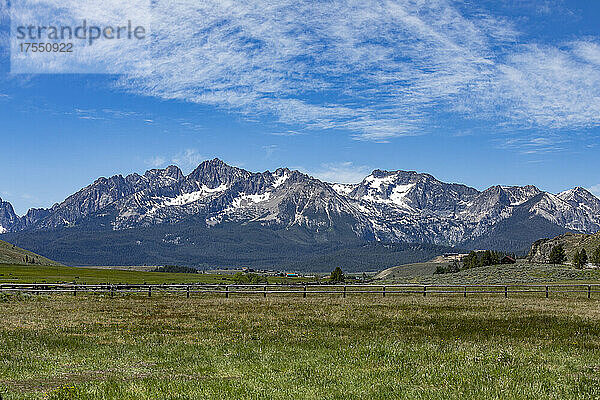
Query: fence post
[[589, 291], [304, 294], [384, 291], [149, 291], [264, 291], [227, 291], [465, 294], [344, 291], [112, 291], [187, 291], [506, 291], [75, 290], [424, 291], [546, 291]]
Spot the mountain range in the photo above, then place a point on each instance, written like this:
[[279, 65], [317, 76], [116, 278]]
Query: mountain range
[[222, 204]]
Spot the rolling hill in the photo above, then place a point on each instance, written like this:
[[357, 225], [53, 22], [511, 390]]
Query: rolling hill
[[11, 254], [571, 242]]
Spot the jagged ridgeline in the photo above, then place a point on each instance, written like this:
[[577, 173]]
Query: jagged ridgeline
[[219, 210]]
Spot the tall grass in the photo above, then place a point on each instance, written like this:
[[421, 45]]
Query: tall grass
[[170, 347]]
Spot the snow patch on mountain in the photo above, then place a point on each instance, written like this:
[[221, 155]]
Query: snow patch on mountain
[[343, 188], [376, 183], [246, 199], [399, 193], [281, 180], [192, 197]]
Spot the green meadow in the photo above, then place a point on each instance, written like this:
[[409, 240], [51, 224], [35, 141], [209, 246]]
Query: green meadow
[[54, 274], [399, 347]]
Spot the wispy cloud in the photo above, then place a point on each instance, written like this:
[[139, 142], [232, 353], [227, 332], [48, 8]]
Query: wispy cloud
[[107, 114], [341, 172], [187, 160], [288, 133], [546, 86], [536, 144], [381, 70], [270, 150], [377, 70], [156, 162], [595, 190]]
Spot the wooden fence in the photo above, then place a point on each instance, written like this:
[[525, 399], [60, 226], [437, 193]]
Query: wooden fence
[[227, 291]]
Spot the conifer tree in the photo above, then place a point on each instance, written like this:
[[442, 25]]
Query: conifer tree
[[596, 256], [557, 255]]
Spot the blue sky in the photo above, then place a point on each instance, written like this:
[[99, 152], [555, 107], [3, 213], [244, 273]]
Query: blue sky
[[476, 92]]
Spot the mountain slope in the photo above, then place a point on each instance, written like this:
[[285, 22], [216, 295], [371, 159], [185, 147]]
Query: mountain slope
[[228, 245], [11, 254]]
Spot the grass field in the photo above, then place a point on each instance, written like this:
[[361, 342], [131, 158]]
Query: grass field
[[292, 348], [53, 274], [522, 272]]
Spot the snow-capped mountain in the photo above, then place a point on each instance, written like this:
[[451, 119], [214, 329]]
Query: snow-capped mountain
[[397, 206]]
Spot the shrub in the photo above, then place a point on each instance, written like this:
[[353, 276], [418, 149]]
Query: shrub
[[337, 276], [176, 269], [241, 278], [440, 269]]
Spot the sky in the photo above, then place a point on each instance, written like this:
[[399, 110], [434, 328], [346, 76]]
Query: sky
[[475, 92]]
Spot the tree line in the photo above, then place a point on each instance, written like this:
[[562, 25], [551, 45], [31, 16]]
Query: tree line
[[474, 259], [580, 258]]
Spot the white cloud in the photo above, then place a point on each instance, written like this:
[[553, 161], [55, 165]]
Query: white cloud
[[536, 144], [188, 160], [341, 172], [595, 190], [376, 69], [551, 87], [156, 162], [288, 133], [270, 150]]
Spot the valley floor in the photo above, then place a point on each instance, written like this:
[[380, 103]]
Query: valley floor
[[170, 347], [89, 275]]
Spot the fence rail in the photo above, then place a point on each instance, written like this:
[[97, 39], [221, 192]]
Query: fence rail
[[301, 290]]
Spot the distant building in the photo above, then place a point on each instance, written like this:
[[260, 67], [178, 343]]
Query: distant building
[[448, 255], [454, 256], [508, 260]]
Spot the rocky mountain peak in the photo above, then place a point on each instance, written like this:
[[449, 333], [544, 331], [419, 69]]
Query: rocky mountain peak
[[7, 216], [172, 171], [578, 193], [215, 173], [387, 205]]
